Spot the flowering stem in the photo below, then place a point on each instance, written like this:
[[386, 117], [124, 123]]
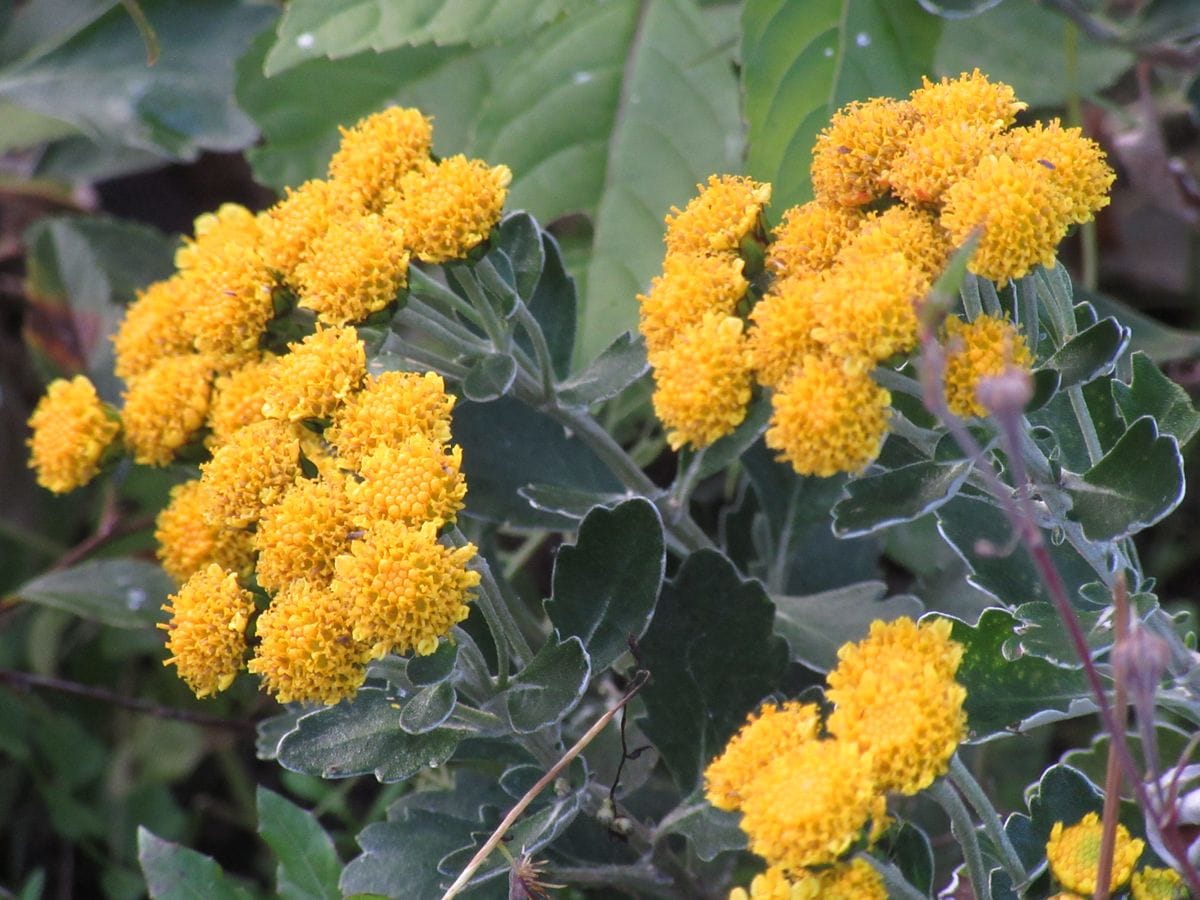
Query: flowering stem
[[1086, 426], [545, 362], [965, 782], [432, 316], [972, 302], [505, 631], [429, 322], [964, 829], [500, 336], [897, 885], [1112, 774], [431, 287]]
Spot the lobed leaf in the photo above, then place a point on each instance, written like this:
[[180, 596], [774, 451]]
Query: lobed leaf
[[1151, 393], [875, 502], [1090, 354], [549, 687], [618, 366]]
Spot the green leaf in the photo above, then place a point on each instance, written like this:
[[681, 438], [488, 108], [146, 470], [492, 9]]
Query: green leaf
[[313, 28], [909, 848], [1137, 483], [1062, 794], [124, 593], [433, 668], [710, 622], [400, 858], [519, 240], [177, 873], [271, 730], [1151, 393], [606, 584], [308, 863], [816, 625], [549, 687], [566, 502], [1090, 354], [506, 446], [676, 123], [723, 452], [553, 305], [99, 80], [1040, 631], [709, 830], [900, 495], [429, 708], [1002, 693], [1021, 43], [1160, 342], [619, 365], [802, 61], [490, 378], [24, 128], [362, 736]]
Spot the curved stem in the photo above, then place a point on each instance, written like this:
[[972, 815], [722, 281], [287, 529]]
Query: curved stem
[[962, 779], [505, 631], [964, 829], [545, 362]]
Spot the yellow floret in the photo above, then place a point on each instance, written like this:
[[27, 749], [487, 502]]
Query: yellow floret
[[316, 376], [895, 698], [1023, 213], [689, 288], [378, 151], [238, 398], [290, 226], [71, 428], [773, 731], [187, 543], [827, 419], [809, 238], [166, 406], [702, 382], [153, 327], [852, 155], [300, 536], [936, 156], [390, 408], [355, 268], [969, 98], [1076, 164], [781, 336], [404, 589], [414, 482], [982, 349], [855, 880], [231, 300], [232, 223], [1074, 854], [250, 472], [1153, 883], [772, 884], [206, 635], [447, 209], [726, 210], [305, 651], [901, 229]]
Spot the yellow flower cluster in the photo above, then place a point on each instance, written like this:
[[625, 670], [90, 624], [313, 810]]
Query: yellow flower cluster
[[1074, 854], [898, 184], [810, 791], [981, 349], [1153, 883], [72, 428]]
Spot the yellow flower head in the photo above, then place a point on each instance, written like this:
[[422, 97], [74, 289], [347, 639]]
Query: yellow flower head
[[867, 306], [702, 381], [1153, 883], [896, 699], [766, 736], [853, 153], [238, 398], [153, 327], [389, 409], [71, 428], [206, 635], [300, 536], [725, 211], [901, 229], [1023, 213], [378, 151], [983, 349], [1074, 854], [968, 98], [1076, 164], [166, 406], [828, 418], [811, 804], [449, 208], [305, 651], [809, 238], [250, 472], [317, 375], [936, 156], [187, 543], [782, 334], [355, 268], [410, 483], [405, 590], [689, 288], [855, 880], [290, 226], [231, 224], [772, 884]]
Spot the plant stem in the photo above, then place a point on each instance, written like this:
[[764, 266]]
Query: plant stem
[[496, 331], [1087, 427], [545, 362], [505, 631], [897, 885], [964, 829], [1112, 773], [989, 818]]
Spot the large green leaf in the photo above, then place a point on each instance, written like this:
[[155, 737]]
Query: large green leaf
[[308, 863], [709, 830], [900, 495], [549, 687], [100, 81], [802, 61], [124, 593], [1160, 342], [315, 28], [1003, 693], [1151, 393], [1137, 483], [619, 365], [362, 736], [606, 584], [173, 872], [709, 623]]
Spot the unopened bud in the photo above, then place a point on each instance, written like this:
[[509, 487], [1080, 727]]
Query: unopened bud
[[1007, 393]]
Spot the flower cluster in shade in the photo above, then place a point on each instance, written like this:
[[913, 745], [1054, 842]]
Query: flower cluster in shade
[[323, 490], [1073, 852], [812, 789], [807, 312]]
